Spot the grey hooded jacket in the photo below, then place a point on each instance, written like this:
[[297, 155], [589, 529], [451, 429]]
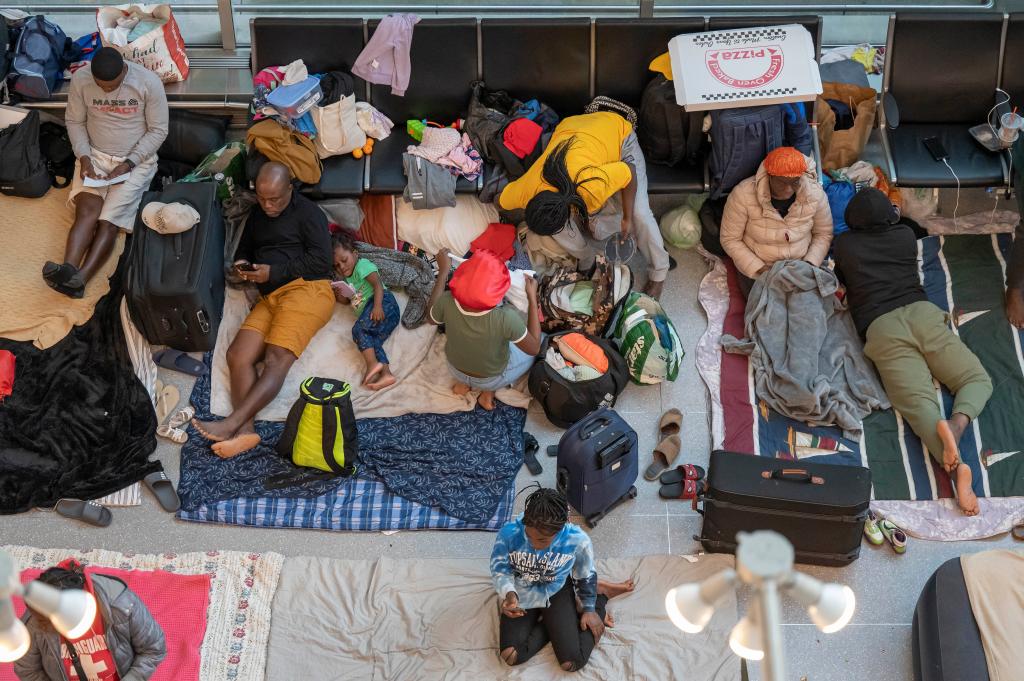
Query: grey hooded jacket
[[134, 638]]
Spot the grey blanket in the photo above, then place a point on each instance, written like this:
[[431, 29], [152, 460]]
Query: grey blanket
[[807, 359], [405, 271]]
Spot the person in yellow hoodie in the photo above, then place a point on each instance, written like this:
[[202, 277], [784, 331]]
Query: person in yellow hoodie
[[588, 186]]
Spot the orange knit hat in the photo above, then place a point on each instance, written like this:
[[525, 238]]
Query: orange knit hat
[[785, 162]]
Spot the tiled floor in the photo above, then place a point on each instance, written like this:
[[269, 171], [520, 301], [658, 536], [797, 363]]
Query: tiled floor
[[876, 644]]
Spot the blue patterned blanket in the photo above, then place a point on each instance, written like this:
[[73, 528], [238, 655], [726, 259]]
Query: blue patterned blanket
[[461, 465]]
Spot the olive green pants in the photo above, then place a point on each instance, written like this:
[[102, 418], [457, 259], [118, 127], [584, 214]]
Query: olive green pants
[[909, 346]]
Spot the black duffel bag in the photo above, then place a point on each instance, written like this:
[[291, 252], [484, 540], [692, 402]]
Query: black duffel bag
[[565, 402], [820, 508]]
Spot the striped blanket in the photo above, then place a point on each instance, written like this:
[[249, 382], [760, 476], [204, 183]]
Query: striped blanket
[[963, 275]]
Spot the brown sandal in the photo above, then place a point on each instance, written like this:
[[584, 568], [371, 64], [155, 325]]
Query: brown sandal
[[665, 454], [671, 423]]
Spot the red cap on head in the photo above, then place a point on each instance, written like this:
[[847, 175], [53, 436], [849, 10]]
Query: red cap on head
[[481, 282]]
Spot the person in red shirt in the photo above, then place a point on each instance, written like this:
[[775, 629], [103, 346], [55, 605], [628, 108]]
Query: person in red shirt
[[124, 643]]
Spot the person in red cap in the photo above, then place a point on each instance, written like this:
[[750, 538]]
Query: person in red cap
[[781, 213], [488, 344]]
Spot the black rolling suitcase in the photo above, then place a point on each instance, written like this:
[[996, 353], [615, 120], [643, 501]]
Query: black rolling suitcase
[[820, 508], [598, 464], [176, 283]]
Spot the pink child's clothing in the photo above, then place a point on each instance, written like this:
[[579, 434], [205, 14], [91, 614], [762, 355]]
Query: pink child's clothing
[[385, 59]]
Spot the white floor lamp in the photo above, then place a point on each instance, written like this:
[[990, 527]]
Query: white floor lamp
[[764, 560], [71, 611]]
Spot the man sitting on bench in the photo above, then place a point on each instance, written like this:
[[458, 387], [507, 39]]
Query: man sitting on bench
[[286, 251], [907, 337], [117, 120]]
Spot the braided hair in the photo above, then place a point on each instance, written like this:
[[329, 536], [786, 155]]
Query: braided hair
[[546, 510], [548, 211]]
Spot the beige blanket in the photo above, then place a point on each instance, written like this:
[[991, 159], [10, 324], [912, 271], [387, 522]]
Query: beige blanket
[[404, 620], [417, 360], [995, 584], [450, 228], [33, 231]]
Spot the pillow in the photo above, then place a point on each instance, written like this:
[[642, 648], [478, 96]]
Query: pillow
[[579, 349]]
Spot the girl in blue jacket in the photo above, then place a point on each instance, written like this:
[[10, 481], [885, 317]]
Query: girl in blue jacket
[[543, 570]]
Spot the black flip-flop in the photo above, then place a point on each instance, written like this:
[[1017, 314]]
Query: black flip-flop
[[530, 447], [176, 360], [685, 472], [685, 490], [87, 511], [163, 489]]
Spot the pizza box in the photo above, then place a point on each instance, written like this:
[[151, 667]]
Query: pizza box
[[744, 67]]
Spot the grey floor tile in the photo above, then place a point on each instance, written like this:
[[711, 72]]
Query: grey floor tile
[[853, 654], [622, 535], [682, 529]]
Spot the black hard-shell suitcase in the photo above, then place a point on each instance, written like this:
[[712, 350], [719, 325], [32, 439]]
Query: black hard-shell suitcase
[[176, 284], [820, 508], [598, 464]]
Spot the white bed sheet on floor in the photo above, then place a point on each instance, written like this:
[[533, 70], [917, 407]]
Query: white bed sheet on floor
[[437, 619]]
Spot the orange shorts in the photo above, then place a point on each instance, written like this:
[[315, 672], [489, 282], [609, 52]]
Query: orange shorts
[[290, 316]]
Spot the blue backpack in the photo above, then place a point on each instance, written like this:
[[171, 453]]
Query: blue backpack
[[839, 195], [39, 58]]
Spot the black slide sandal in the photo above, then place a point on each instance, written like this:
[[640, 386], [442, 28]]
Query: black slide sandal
[[530, 447], [163, 489], [87, 511]]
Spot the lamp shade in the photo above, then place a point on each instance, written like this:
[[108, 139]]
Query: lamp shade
[[690, 606], [746, 638], [14, 639], [75, 614], [70, 611], [687, 609], [834, 608]]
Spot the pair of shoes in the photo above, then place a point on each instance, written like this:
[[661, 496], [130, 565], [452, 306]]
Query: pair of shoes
[[64, 279], [878, 530], [682, 482]]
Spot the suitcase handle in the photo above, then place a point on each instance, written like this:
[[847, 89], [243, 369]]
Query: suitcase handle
[[793, 475], [592, 427]]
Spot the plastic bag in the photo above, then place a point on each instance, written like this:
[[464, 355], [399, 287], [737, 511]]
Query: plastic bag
[[681, 227], [160, 50]]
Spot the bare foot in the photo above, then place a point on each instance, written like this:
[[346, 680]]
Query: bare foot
[[654, 288], [460, 389], [486, 400], [950, 446], [372, 371], [236, 445], [214, 431], [384, 379], [609, 621], [613, 589], [1015, 307], [965, 496]]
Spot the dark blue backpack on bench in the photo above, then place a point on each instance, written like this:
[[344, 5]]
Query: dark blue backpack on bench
[[40, 56]]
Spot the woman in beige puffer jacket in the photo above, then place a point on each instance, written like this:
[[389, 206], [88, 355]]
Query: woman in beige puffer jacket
[[755, 235]]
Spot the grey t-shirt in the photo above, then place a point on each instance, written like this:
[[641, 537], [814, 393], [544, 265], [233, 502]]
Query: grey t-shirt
[[130, 122]]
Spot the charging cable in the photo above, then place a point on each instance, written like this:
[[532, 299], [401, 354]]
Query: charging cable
[[956, 207]]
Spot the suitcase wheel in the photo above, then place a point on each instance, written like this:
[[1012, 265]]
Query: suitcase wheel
[[631, 493]]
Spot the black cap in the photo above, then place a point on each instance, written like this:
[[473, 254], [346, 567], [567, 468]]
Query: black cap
[[107, 64], [870, 208]]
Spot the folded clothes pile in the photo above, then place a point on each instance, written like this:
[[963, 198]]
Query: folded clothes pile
[[577, 358]]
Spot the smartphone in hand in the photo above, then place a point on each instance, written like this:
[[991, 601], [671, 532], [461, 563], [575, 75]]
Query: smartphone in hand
[[245, 267], [344, 288]]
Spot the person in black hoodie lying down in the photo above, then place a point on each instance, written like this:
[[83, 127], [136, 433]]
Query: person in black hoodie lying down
[[906, 336]]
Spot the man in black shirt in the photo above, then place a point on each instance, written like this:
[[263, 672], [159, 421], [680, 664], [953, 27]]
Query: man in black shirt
[[907, 337], [286, 252]]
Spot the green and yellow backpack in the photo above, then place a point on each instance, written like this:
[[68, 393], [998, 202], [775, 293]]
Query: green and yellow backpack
[[321, 429]]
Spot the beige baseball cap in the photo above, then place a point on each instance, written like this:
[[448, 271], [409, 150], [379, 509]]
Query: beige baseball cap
[[169, 218]]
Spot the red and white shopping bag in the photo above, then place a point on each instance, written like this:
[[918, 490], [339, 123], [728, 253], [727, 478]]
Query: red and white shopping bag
[[161, 49]]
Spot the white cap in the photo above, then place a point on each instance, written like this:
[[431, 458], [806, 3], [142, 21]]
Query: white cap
[[169, 218]]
